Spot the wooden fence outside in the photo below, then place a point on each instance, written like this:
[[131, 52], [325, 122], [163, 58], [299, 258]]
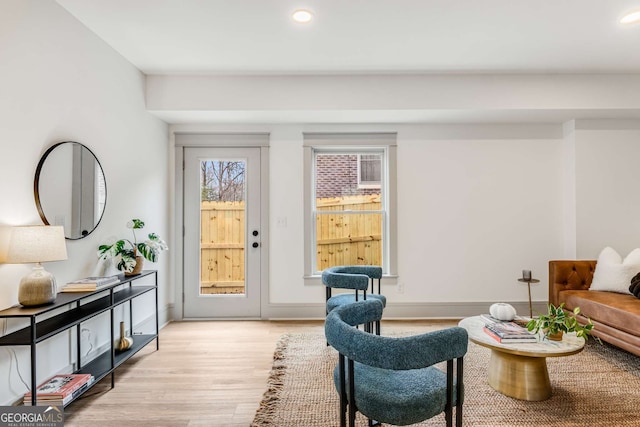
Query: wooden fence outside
[[222, 248], [347, 237], [343, 238]]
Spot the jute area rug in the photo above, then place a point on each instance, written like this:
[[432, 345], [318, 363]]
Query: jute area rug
[[598, 387]]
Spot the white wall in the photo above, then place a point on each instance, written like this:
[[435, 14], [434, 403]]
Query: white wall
[[473, 213], [373, 93], [60, 82], [607, 190]]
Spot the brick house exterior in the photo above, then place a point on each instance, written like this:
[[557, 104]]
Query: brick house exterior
[[337, 176]]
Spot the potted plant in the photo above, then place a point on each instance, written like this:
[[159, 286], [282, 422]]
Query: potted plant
[[556, 321], [125, 252]]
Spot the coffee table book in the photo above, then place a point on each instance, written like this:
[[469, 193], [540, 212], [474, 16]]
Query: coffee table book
[[509, 340], [506, 332]]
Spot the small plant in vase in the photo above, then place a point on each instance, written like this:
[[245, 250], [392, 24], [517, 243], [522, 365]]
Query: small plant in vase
[[125, 252], [556, 321]]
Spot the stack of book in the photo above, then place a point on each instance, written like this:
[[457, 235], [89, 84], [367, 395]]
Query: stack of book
[[59, 390], [508, 332], [90, 284]]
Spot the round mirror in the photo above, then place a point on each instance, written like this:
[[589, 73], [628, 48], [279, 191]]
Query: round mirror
[[70, 189]]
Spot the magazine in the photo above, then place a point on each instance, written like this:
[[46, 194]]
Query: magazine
[[44, 400], [60, 386], [89, 284]]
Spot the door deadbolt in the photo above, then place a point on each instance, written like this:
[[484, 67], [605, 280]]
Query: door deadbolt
[[255, 232]]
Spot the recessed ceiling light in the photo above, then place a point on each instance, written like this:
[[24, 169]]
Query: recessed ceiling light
[[302, 16], [631, 17]]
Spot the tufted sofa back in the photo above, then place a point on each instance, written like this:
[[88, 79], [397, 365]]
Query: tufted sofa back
[[565, 275]]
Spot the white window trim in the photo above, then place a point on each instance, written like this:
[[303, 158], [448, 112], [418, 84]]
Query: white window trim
[[353, 141]]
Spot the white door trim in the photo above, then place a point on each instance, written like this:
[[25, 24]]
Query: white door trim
[[254, 140]]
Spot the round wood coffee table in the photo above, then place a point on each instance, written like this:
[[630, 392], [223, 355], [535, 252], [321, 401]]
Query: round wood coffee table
[[519, 370]]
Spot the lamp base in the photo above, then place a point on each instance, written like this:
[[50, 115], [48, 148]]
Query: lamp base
[[37, 288]]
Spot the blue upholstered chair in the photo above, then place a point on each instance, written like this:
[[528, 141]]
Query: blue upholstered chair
[[393, 380], [356, 277]]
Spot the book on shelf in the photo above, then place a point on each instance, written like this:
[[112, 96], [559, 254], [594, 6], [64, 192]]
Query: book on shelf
[[88, 284], [60, 386], [96, 280], [509, 332], [57, 401]]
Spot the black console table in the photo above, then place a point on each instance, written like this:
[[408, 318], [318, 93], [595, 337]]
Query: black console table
[[77, 307]]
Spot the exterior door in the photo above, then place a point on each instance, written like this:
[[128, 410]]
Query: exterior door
[[222, 233]]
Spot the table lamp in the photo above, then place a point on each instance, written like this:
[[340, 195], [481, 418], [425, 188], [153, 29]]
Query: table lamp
[[36, 244]]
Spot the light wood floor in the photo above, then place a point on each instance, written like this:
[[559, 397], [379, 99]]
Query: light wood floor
[[209, 374]]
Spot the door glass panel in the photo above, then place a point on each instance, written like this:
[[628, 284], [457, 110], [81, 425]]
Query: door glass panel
[[222, 255], [222, 227]]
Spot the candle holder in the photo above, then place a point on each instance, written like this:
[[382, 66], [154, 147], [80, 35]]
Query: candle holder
[[528, 280]]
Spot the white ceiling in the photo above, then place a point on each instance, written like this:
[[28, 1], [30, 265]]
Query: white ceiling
[[367, 36], [258, 36]]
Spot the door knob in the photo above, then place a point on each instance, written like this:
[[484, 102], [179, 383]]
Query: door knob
[[255, 244]]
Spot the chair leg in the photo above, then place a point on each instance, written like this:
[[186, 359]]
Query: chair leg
[[377, 330], [352, 393], [448, 410], [459, 390], [326, 340], [343, 392], [327, 291]]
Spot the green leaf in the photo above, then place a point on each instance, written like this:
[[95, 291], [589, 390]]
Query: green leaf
[[137, 223], [147, 252]]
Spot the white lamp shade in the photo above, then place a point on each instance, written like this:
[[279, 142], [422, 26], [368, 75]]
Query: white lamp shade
[[36, 243]]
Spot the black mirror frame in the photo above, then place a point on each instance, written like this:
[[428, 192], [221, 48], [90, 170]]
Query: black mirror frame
[[36, 181]]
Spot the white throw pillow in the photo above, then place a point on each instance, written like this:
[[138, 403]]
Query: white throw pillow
[[614, 274]]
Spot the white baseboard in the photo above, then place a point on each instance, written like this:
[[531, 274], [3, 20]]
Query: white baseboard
[[427, 310], [164, 315]]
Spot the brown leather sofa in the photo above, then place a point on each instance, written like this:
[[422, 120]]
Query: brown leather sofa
[[616, 316]]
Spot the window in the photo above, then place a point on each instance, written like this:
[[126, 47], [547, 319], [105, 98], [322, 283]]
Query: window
[[349, 203], [369, 170]]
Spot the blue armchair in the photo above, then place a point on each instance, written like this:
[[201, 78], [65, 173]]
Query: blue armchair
[[393, 380], [356, 277]]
